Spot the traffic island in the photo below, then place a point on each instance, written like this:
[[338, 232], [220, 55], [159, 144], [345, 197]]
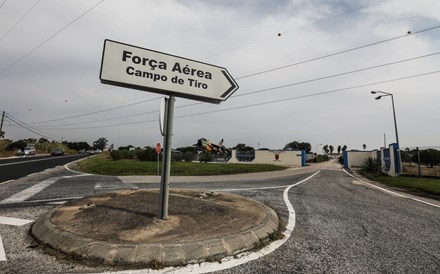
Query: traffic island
[[122, 228]]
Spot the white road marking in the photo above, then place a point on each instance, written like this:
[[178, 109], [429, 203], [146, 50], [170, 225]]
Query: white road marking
[[2, 251], [30, 161], [13, 221], [5, 182], [392, 192], [29, 192], [245, 257]]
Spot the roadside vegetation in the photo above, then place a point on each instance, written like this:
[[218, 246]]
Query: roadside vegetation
[[104, 165], [371, 168]]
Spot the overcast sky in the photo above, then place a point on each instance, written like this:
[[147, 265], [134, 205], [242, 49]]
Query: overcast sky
[[328, 55]]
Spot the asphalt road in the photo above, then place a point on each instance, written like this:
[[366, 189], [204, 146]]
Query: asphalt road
[[17, 167], [340, 224]]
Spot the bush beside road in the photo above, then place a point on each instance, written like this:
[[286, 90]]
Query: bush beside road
[[102, 164], [419, 186]]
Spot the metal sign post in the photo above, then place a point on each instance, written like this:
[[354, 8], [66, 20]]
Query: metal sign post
[[166, 158], [153, 71]]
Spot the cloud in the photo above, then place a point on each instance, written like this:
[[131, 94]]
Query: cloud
[[61, 78]]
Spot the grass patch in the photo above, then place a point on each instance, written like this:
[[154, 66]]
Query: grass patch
[[104, 165], [414, 184]]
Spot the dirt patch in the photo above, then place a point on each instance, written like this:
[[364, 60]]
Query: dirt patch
[[131, 216]]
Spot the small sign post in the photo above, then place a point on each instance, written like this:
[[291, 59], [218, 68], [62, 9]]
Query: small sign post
[[158, 149], [144, 69]]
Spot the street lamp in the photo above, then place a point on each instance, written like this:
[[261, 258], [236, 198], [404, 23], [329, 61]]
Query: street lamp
[[394, 115]]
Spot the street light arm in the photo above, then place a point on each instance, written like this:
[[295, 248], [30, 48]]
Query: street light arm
[[378, 91]]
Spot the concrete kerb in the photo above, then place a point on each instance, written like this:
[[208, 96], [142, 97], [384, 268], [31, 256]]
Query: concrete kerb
[[47, 233]]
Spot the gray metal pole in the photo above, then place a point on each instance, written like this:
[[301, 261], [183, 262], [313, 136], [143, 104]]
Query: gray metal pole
[[166, 158], [1, 124], [395, 122], [397, 135]]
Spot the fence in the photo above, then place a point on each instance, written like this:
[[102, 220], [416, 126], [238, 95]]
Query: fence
[[421, 161]]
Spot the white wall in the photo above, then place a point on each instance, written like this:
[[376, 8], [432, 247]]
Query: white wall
[[356, 158], [285, 158]]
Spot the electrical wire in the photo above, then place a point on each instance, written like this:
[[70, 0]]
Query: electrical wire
[[268, 102], [19, 20], [96, 112], [337, 53], [27, 127], [313, 94], [239, 95], [48, 39], [2, 4], [296, 29]]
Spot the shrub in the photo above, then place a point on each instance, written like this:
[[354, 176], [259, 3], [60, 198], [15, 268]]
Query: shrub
[[121, 154], [149, 154], [341, 160], [188, 156], [116, 155], [206, 157], [372, 165], [321, 158]]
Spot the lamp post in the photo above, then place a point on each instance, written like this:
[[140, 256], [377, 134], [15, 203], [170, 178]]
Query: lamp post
[[395, 122]]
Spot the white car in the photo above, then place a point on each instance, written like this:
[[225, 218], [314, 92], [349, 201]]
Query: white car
[[26, 151]]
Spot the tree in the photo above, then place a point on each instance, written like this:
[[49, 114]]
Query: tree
[[295, 145], [43, 140], [344, 148], [243, 147], [325, 148], [339, 149], [364, 146], [331, 149], [2, 134], [429, 157], [100, 143]]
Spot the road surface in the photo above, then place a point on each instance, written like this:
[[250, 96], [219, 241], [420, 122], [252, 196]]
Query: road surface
[[338, 224]]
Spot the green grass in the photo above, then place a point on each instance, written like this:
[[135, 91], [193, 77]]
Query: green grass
[[414, 184], [102, 164]]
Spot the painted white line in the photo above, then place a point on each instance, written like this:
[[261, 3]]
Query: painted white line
[[30, 161], [392, 192], [55, 200], [13, 221], [245, 257], [29, 192], [66, 166], [253, 188], [2, 251], [6, 182]]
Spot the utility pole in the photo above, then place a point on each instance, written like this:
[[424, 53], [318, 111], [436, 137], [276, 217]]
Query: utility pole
[[1, 125]]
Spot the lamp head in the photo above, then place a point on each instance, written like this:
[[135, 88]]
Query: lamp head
[[373, 92], [378, 97]]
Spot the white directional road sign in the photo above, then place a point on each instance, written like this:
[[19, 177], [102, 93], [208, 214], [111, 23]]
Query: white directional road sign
[[149, 70]]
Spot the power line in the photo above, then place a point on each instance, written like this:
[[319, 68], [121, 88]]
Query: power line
[[48, 39], [337, 75], [29, 128], [251, 92], [313, 94], [337, 53], [2, 4], [96, 112], [19, 20], [296, 29], [270, 102]]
